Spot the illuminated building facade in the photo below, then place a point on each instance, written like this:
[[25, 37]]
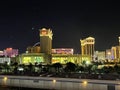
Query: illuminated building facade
[[33, 49], [64, 55], [108, 54], [48, 55], [115, 52], [1, 53], [27, 58], [99, 56], [10, 52], [119, 40], [87, 46], [119, 49], [5, 59], [46, 43], [69, 51], [46, 40], [8, 55], [64, 58]]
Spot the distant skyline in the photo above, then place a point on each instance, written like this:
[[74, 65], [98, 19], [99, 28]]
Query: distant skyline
[[71, 21]]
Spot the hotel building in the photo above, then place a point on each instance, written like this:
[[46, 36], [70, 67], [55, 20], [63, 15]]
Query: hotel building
[[87, 46], [45, 53], [46, 40]]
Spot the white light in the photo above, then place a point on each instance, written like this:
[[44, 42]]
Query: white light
[[87, 62]]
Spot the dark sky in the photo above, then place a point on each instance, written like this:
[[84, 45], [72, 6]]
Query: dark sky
[[70, 21]]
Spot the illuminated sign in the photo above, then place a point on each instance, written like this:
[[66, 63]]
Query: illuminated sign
[[62, 51], [44, 32]]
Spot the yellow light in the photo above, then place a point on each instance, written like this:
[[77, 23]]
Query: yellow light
[[109, 53], [54, 81], [85, 82], [5, 78]]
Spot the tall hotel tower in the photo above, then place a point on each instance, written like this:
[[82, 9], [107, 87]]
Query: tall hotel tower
[[46, 44], [87, 46], [46, 40]]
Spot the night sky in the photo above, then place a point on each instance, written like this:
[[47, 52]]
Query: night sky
[[70, 21]]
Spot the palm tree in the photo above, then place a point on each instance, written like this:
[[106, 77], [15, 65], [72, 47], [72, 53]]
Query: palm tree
[[70, 67], [6, 67], [30, 68], [15, 67], [57, 66], [106, 69], [117, 68], [80, 68], [40, 67], [94, 68], [88, 69]]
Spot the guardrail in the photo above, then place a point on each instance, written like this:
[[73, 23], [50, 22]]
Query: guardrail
[[59, 83]]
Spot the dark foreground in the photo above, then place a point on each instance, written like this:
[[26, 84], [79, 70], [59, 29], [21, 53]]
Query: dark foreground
[[18, 88]]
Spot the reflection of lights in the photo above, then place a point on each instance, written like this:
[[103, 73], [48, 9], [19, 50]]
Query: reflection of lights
[[54, 81], [4, 81], [5, 78], [85, 82]]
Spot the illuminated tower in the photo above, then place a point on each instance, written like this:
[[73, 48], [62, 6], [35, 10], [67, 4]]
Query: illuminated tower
[[87, 46], [46, 40]]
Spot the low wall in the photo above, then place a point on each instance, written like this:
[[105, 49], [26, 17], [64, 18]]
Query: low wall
[[59, 83]]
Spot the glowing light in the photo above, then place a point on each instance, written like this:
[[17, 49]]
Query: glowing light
[[32, 28], [85, 82], [46, 32], [5, 78], [87, 62], [109, 53], [54, 81]]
